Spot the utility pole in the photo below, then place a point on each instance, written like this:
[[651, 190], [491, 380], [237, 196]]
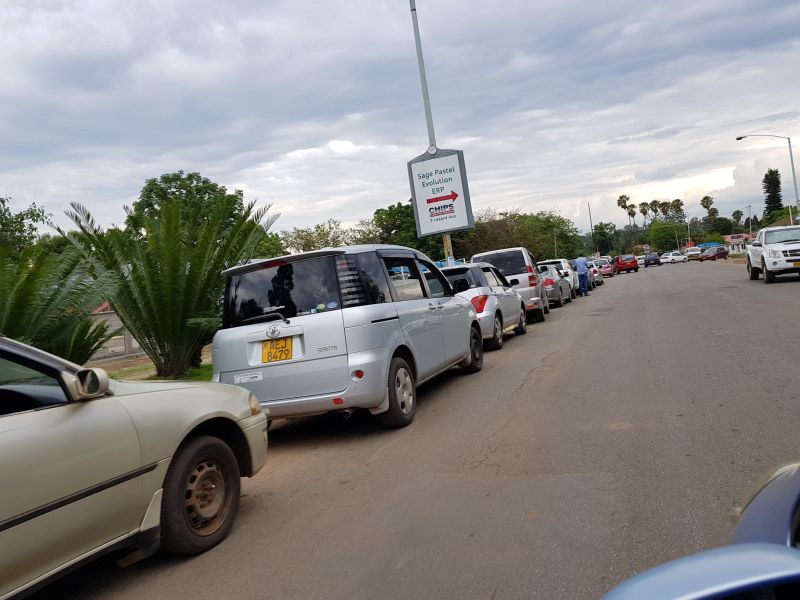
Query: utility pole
[[591, 226], [426, 101], [555, 245], [750, 219]]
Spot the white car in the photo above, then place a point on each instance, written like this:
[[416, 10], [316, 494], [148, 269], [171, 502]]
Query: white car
[[565, 269], [640, 259], [776, 251], [670, 258], [90, 465]]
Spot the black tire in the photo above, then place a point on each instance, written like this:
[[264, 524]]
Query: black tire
[[204, 467], [568, 299], [402, 389], [769, 277], [752, 272], [497, 334], [522, 326], [475, 359], [538, 315], [572, 294], [560, 303], [546, 306], [636, 270]]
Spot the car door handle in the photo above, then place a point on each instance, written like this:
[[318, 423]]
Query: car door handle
[[440, 306], [431, 306]]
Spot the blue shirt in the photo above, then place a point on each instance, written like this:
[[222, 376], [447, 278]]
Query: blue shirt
[[580, 266]]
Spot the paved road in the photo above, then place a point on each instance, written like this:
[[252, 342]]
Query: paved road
[[622, 432]]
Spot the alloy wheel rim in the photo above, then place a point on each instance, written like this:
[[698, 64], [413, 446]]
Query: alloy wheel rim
[[205, 503], [404, 391]]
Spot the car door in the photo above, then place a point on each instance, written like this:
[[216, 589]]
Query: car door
[[420, 317], [453, 312], [755, 251], [69, 471]]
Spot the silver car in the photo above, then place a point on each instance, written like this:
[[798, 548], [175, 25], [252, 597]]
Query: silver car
[[565, 269], [91, 465], [557, 286], [341, 329], [499, 307], [519, 264]]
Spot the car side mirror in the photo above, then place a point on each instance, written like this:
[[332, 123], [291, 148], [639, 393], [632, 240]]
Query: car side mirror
[[91, 383], [756, 244], [513, 282], [460, 285]]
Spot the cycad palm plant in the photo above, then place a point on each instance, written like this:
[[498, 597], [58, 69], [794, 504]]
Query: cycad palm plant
[[168, 272], [46, 300]]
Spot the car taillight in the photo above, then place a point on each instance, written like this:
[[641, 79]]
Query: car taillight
[[549, 282], [531, 276], [479, 303]]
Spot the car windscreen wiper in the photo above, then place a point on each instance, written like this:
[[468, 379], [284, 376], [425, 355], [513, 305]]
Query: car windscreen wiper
[[268, 315]]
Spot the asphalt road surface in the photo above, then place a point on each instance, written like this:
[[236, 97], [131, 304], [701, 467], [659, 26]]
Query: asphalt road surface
[[622, 432]]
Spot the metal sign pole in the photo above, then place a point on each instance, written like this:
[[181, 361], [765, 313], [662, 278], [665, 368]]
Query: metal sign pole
[[426, 101]]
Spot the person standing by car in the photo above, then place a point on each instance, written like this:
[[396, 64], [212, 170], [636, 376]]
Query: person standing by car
[[583, 275]]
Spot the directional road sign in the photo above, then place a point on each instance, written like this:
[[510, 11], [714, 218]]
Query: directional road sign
[[439, 192]]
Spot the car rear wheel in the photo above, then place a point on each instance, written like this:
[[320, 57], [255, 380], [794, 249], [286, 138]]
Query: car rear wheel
[[572, 294], [538, 316], [402, 391], [752, 272], [560, 302], [497, 334], [475, 361], [522, 326], [201, 496]]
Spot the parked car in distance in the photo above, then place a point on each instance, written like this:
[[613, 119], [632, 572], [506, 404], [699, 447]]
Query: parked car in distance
[[626, 262], [776, 251], [692, 253], [594, 273], [670, 258], [520, 264], [606, 268], [564, 268], [557, 286], [96, 465], [714, 253], [342, 329], [652, 259], [499, 307], [640, 259], [763, 556]]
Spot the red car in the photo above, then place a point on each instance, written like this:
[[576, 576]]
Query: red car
[[626, 262], [714, 253]]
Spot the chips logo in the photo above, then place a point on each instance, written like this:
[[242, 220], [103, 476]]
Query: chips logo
[[442, 209]]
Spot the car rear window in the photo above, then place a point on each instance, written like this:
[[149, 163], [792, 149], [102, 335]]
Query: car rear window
[[627, 257], [464, 273], [289, 289], [508, 262]]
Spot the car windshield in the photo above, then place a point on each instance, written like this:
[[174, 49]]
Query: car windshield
[[790, 234], [282, 289], [509, 262]]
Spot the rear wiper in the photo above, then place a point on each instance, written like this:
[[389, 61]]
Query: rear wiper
[[267, 316]]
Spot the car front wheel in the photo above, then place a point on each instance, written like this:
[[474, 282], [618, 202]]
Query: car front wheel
[[769, 277], [201, 496], [402, 391], [752, 272]]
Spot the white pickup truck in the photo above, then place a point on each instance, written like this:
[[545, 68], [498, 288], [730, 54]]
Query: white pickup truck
[[776, 251]]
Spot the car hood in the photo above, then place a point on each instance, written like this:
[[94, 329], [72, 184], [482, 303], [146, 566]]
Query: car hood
[[130, 388]]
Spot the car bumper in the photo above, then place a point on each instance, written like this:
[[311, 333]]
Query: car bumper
[[782, 265], [771, 515], [535, 303], [367, 392], [486, 323], [255, 432]]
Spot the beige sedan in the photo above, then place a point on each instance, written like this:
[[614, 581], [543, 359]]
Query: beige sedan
[[90, 465]]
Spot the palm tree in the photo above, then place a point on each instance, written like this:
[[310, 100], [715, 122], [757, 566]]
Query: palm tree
[[169, 272], [737, 217], [655, 205], [632, 213], [622, 202], [644, 208], [706, 202], [665, 208], [46, 300], [677, 207]]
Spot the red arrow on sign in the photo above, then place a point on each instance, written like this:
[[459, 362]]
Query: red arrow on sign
[[451, 196]]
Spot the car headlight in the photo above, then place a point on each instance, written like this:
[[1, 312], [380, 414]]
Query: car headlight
[[255, 407], [775, 254]]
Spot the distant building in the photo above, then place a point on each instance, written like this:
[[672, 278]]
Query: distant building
[[737, 241]]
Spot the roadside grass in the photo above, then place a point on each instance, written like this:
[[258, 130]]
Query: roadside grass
[[201, 373]]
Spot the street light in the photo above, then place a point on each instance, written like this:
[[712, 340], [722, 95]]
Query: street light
[[791, 159]]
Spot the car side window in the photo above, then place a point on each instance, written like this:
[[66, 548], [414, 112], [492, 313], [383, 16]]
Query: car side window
[[437, 283], [405, 278], [501, 278], [490, 277], [23, 388]]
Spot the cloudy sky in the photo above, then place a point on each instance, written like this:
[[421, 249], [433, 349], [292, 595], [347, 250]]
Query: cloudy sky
[[315, 106]]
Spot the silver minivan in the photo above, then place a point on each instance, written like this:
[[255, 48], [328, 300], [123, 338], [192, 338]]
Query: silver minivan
[[519, 264], [343, 328]]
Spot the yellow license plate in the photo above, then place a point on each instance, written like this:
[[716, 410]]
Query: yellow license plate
[[797, 264], [275, 350]]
